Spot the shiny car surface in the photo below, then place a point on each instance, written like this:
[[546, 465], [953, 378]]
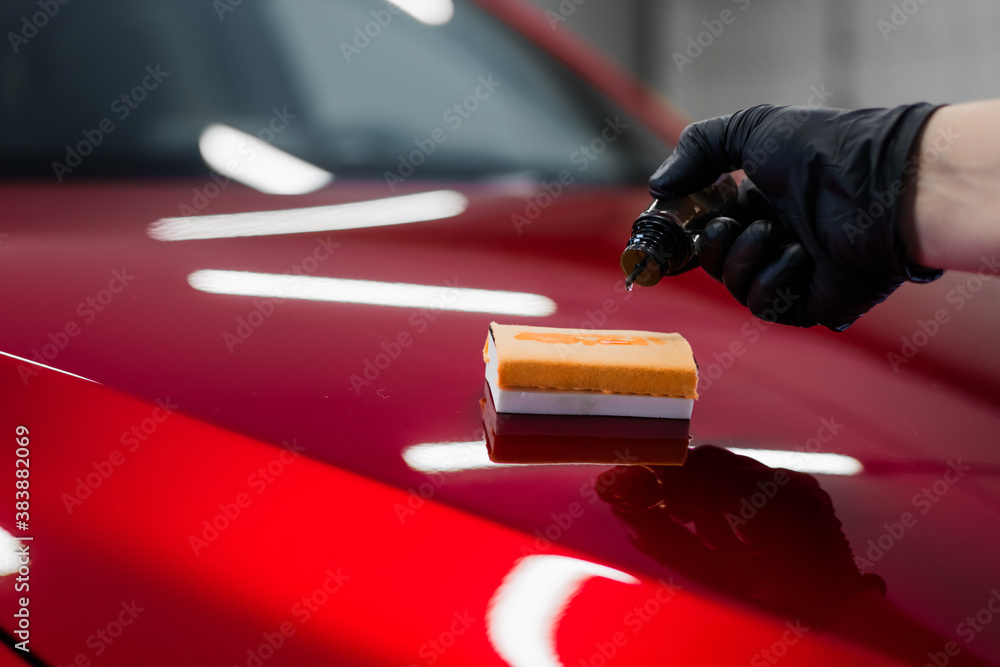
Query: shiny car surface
[[249, 256]]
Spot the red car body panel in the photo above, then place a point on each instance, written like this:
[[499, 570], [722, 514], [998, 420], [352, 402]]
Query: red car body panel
[[89, 291], [206, 547]]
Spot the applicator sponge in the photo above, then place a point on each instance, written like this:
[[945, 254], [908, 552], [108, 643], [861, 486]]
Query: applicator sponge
[[545, 370]]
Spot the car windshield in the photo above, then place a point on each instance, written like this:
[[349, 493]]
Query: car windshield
[[359, 88]]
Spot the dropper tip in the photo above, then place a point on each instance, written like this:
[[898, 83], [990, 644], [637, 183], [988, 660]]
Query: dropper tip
[[636, 272]]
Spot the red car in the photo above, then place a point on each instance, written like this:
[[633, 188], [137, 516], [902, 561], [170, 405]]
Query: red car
[[249, 257]]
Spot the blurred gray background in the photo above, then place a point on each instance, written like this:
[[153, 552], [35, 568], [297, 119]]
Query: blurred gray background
[[860, 52]]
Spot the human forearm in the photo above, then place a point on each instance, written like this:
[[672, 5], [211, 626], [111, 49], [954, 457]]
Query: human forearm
[[952, 218]]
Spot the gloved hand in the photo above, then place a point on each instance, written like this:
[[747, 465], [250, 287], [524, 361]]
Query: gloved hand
[[817, 242]]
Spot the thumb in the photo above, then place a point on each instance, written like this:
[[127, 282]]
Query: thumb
[[706, 150]]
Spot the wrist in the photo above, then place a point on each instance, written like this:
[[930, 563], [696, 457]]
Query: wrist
[[952, 218], [927, 198]]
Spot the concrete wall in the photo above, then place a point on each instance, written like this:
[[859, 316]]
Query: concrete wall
[[745, 52]]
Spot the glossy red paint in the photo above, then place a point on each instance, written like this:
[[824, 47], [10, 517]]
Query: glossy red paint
[[335, 505], [218, 549], [290, 381]]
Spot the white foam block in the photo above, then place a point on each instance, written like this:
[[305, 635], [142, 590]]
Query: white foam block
[[570, 402]]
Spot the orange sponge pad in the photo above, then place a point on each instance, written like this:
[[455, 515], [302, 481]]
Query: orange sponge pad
[[620, 362]]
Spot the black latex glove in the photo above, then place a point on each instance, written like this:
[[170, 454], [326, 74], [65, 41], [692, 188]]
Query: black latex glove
[[729, 522], [829, 248]]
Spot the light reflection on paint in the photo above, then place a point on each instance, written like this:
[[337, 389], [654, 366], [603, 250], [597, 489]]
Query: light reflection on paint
[[257, 164], [812, 463], [401, 295], [434, 457], [57, 370], [524, 613], [434, 205], [10, 553], [431, 12]]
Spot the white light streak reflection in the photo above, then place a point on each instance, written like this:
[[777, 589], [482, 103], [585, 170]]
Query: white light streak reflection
[[431, 12], [401, 295], [51, 368], [10, 553], [808, 462], [257, 164], [434, 457], [524, 613], [434, 205]]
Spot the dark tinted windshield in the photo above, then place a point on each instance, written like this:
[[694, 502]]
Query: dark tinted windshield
[[357, 87]]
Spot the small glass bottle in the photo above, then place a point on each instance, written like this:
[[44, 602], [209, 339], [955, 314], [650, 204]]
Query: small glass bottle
[[663, 236]]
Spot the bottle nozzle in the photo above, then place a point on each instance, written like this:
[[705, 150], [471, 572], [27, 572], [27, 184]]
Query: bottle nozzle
[[663, 237], [639, 268]]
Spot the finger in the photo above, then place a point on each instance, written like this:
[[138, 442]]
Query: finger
[[683, 487], [751, 252], [778, 291], [655, 534], [837, 299], [753, 203], [698, 159], [632, 489], [700, 492], [713, 244], [706, 150]]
